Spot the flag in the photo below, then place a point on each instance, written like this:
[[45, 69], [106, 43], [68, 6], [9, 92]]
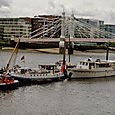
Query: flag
[[22, 58]]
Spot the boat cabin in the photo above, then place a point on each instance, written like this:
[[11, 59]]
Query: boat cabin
[[49, 67], [89, 64]]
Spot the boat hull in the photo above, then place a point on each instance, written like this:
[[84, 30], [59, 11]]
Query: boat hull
[[9, 86], [37, 79], [77, 73]]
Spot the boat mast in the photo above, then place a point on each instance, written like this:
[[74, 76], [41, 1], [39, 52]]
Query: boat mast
[[12, 55], [107, 52], [71, 32], [64, 53], [62, 42], [69, 50]]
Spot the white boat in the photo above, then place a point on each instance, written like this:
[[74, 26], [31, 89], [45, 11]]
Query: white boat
[[92, 69]]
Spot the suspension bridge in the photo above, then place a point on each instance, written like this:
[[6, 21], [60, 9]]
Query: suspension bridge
[[71, 30]]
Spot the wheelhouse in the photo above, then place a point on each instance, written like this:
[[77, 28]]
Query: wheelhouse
[[93, 64]]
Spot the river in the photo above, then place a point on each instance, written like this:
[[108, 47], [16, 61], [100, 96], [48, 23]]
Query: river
[[76, 97]]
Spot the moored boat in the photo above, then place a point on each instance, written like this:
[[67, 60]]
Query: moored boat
[[92, 69], [8, 83], [44, 74]]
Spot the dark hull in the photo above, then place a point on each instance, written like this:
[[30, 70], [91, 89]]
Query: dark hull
[[9, 86], [28, 80]]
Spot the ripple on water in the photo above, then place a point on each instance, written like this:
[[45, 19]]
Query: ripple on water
[[76, 97]]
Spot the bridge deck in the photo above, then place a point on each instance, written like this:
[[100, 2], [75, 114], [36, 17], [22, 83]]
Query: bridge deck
[[47, 40]]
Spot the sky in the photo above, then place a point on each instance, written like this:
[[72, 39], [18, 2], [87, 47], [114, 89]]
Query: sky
[[93, 9]]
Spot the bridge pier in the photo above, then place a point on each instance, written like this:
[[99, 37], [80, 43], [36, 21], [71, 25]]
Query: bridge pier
[[62, 46], [70, 49], [69, 46], [61, 50]]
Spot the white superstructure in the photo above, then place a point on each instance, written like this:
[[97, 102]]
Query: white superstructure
[[92, 69]]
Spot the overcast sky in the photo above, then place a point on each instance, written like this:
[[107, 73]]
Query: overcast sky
[[96, 9]]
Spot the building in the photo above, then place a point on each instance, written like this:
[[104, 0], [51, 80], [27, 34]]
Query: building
[[1, 32], [15, 27], [110, 31], [49, 26]]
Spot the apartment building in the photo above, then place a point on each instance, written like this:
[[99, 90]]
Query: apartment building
[[15, 28], [48, 26]]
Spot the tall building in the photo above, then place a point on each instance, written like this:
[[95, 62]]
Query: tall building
[[15, 27]]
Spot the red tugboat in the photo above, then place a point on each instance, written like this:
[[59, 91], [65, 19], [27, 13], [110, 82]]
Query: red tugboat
[[8, 83]]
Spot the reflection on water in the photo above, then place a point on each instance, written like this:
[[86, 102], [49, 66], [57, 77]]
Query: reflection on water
[[75, 97], [91, 80]]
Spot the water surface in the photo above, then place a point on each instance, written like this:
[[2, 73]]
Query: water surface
[[76, 97]]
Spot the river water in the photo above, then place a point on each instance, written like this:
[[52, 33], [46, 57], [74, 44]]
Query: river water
[[76, 97]]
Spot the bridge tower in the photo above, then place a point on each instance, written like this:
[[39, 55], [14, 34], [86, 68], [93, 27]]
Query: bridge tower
[[71, 35], [70, 25], [62, 37]]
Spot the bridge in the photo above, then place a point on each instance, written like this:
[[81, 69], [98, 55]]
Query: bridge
[[57, 40], [70, 29]]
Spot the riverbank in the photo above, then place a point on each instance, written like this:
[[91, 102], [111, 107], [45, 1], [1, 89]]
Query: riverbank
[[56, 51]]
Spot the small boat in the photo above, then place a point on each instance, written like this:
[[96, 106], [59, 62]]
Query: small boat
[[92, 69], [8, 83], [43, 74]]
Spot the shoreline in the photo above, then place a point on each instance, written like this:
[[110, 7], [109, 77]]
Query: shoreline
[[56, 51]]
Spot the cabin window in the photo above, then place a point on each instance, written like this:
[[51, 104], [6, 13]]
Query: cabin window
[[107, 65], [91, 65], [113, 63], [104, 65], [97, 65], [98, 60]]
